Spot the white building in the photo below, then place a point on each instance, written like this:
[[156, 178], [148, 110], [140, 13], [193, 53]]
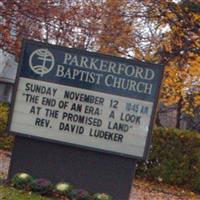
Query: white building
[[8, 70]]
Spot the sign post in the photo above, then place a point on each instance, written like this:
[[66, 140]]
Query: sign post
[[82, 117]]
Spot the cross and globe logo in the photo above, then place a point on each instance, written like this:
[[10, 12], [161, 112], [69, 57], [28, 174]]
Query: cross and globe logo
[[41, 61]]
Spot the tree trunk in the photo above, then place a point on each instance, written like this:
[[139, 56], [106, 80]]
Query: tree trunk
[[157, 121], [178, 115]]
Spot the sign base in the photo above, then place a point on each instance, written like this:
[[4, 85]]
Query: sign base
[[90, 170]]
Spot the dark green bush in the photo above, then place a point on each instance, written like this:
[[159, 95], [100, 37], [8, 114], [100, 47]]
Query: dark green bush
[[4, 109], [41, 186], [174, 158], [22, 181], [6, 142]]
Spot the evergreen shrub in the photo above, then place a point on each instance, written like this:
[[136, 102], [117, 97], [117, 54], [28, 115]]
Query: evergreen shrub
[[174, 158], [4, 109]]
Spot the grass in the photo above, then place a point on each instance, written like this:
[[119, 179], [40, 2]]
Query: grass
[[9, 193]]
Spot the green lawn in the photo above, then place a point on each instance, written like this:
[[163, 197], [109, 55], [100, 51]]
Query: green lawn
[[9, 193]]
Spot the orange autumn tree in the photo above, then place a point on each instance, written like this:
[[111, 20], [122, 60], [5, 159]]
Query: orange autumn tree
[[179, 51], [116, 34], [182, 53], [69, 23], [44, 20], [154, 30]]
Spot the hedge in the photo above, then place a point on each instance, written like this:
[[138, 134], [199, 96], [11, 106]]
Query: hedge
[[174, 158], [4, 109]]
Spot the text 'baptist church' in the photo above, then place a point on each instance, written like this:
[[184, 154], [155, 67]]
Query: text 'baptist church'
[[111, 68]]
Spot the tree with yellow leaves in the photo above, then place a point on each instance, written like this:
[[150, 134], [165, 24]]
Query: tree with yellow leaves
[[181, 54]]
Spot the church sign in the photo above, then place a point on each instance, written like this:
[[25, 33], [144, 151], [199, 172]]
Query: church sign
[[86, 99]]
